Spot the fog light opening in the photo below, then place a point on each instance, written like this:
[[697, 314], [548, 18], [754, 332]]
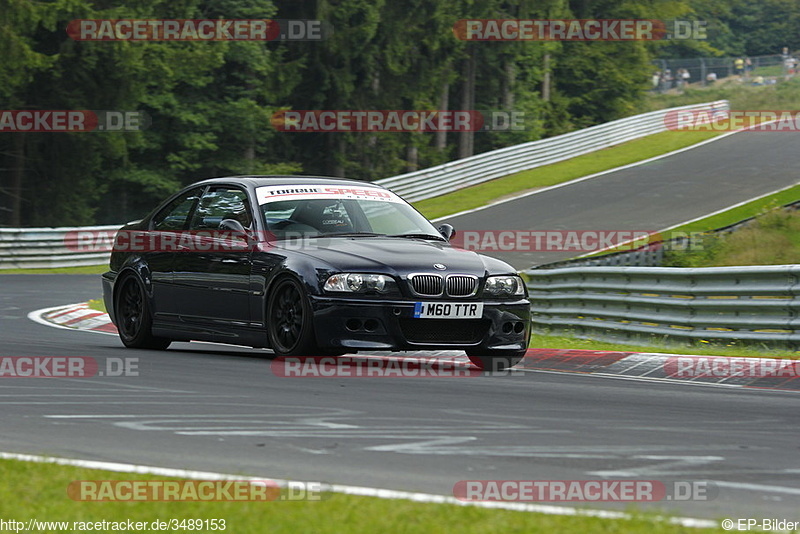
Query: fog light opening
[[507, 327], [519, 327], [370, 325], [353, 324]]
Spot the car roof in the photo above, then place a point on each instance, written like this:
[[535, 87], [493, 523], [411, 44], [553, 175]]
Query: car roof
[[258, 181]]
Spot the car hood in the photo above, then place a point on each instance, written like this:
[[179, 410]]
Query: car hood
[[395, 255]]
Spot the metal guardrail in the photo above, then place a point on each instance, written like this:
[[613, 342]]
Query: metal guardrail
[[480, 168], [753, 304], [26, 248]]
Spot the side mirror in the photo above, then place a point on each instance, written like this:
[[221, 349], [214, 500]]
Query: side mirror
[[233, 225], [447, 231], [239, 232]]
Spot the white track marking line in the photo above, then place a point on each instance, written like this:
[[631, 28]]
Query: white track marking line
[[351, 490], [116, 385]]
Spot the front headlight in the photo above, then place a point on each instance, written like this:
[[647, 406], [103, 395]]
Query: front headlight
[[504, 286], [356, 283]]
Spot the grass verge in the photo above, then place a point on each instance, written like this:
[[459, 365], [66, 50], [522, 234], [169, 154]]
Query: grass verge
[[772, 238], [34, 490], [700, 348], [87, 269], [557, 173]]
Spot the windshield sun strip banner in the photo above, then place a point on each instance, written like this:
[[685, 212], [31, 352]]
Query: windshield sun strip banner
[[273, 193]]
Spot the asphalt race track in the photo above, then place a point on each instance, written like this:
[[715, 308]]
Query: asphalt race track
[[219, 408], [648, 197]]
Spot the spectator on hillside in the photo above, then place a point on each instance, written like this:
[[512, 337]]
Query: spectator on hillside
[[789, 67], [711, 78], [666, 80], [738, 66], [682, 78]]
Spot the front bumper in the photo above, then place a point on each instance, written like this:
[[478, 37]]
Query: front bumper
[[390, 325]]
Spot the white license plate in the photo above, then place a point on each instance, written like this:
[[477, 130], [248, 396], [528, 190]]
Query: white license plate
[[448, 310]]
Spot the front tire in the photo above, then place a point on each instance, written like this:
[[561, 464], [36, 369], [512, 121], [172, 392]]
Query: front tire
[[495, 360], [289, 322], [134, 319]]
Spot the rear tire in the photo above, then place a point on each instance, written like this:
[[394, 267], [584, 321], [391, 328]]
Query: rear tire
[[499, 360], [134, 318], [289, 322]]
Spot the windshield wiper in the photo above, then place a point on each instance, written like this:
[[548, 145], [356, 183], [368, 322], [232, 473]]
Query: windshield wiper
[[420, 236], [347, 234]]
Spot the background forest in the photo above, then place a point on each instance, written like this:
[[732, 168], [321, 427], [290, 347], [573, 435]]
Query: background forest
[[211, 102]]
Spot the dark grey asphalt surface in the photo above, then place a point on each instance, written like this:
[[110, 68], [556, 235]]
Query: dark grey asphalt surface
[[218, 408], [648, 197]]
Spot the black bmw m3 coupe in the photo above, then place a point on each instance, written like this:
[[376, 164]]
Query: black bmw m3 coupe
[[309, 266]]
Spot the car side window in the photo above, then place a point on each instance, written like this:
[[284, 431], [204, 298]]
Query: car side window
[[218, 204], [174, 214]]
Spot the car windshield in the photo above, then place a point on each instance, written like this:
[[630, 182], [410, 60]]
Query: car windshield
[[316, 211]]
